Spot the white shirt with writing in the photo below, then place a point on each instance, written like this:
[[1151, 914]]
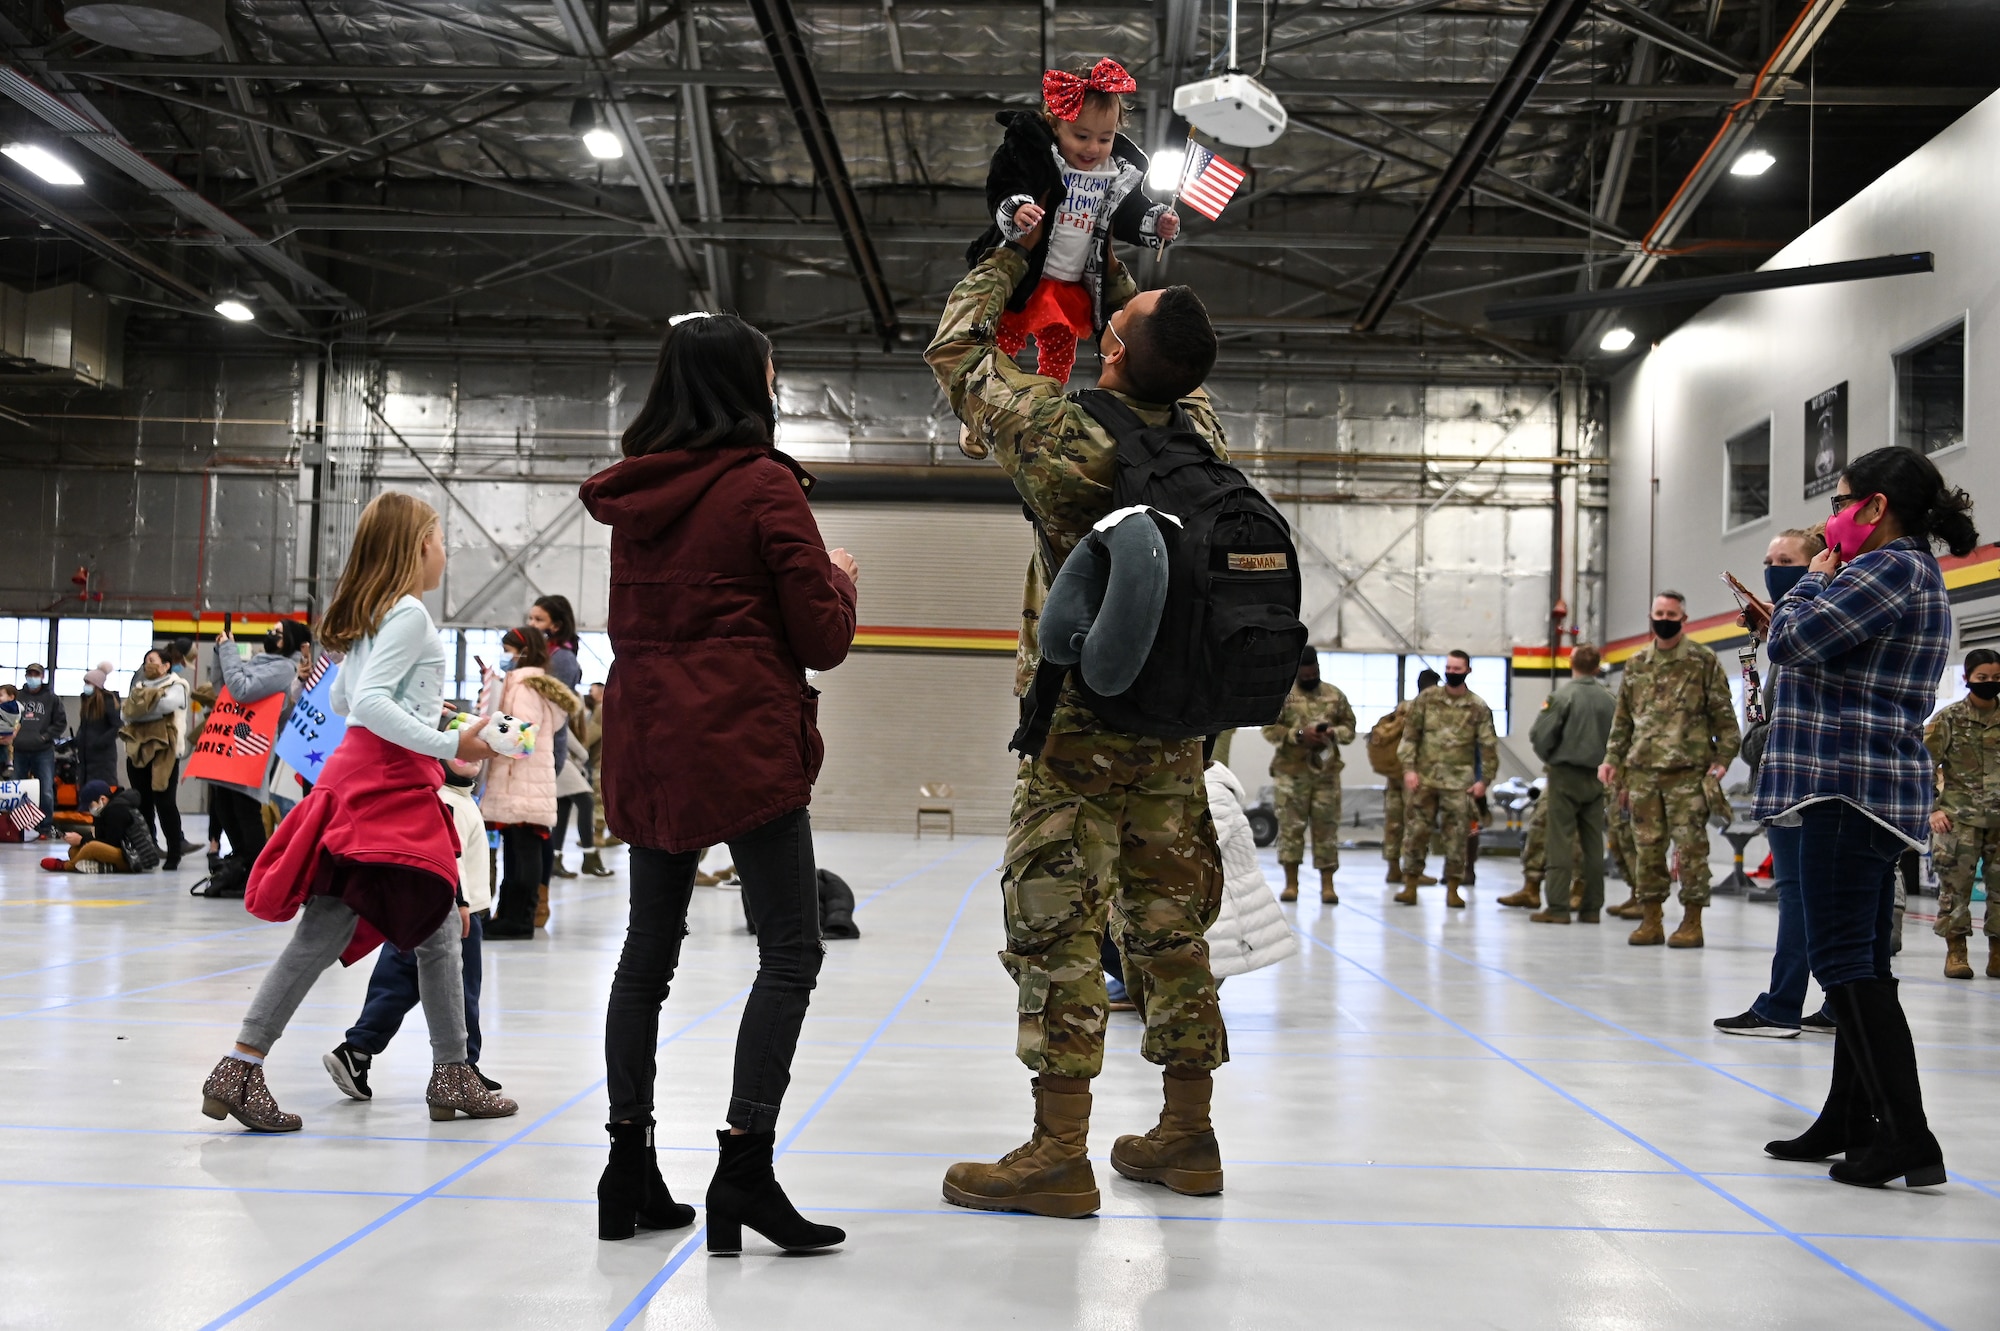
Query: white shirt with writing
[[1075, 219]]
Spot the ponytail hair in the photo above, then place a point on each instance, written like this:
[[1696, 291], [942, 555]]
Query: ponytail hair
[[1929, 509]]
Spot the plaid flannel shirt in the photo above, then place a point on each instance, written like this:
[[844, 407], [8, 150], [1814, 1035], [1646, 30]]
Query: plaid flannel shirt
[[1861, 654]]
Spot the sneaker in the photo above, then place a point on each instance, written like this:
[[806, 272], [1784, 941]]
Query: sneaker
[[56, 864], [484, 1080], [1819, 1023], [1752, 1024], [91, 866], [348, 1067]]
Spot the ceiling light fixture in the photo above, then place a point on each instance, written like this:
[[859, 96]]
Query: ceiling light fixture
[[1755, 162], [43, 163], [586, 119], [1616, 339], [234, 310], [1163, 173]]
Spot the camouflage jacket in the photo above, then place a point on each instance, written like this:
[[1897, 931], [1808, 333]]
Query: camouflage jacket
[[1966, 744], [1061, 460], [1302, 709], [1450, 742], [1674, 711]]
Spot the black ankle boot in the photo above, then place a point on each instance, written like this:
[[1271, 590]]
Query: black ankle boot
[[631, 1195], [1846, 1122], [1885, 1057], [744, 1191]]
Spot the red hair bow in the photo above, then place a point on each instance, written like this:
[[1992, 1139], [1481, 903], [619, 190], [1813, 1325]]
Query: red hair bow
[[1064, 91]]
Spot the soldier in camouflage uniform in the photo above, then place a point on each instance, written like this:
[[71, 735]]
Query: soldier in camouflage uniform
[[1393, 794], [1674, 734], [1534, 856], [1314, 722], [1964, 738], [1109, 830], [1448, 742]]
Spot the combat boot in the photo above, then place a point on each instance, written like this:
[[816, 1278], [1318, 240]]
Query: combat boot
[[1408, 896], [1050, 1173], [1956, 967], [1576, 898], [1528, 898], [1550, 916], [1291, 892], [1327, 895], [1180, 1150], [1395, 874], [1451, 896], [594, 866], [1689, 934], [1425, 880], [1650, 933], [1993, 958], [1628, 909]]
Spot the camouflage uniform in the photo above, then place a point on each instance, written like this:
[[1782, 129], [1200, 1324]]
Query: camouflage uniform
[[1443, 737], [1965, 741], [1308, 779], [1618, 833], [1675, 718], [1535, 850], [1393, 796], [1106, 825]]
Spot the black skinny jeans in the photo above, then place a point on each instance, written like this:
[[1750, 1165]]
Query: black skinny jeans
[[160, 804], [781, 890], [585, 808], [242, 821]]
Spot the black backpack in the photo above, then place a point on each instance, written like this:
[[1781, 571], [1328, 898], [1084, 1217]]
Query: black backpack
[[142, 853], [836, 908], [1229, 640]]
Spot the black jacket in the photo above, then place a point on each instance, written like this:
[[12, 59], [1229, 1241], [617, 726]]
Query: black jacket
[[43, 720], [116, 819], [97, 742], [1025, 163]]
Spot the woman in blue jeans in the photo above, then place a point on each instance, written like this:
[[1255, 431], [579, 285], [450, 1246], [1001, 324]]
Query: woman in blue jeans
[[1779, 1011], [1859, 645]]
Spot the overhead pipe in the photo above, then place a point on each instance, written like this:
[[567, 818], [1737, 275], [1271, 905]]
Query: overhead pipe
[[787, 46], [1531, 61], [1708, 288]]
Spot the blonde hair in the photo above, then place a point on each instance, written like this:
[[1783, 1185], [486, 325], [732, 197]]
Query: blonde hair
[[1813, 538], [385, 564]]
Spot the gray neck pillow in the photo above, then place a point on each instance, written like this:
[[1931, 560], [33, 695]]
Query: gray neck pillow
[[1103, 611]]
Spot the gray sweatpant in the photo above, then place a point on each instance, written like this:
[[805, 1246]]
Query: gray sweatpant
[[325, 926]]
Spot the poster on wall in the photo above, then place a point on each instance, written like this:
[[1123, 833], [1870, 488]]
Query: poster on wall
[[1826, 439]]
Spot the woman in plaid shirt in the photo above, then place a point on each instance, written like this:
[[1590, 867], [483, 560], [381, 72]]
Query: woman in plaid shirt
[[1861, 642]]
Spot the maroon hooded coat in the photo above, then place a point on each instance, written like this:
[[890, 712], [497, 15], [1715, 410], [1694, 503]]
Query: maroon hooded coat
[[722, 596]]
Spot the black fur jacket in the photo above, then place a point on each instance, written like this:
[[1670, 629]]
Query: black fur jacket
[[1025, 168]]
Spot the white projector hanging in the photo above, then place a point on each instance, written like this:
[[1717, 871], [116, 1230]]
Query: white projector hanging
[[1233, 108]]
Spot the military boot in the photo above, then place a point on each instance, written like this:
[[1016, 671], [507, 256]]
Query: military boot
[[1628, 909], [1180, 1150], [1993, 958], [1529, 897], [1050, 1173], [1451, 896], [1291, 892], [1550, 916], [1395, 874], [1689, 934], [1956, 967], [1576, 898], [1327, 895], [1650, 933], [1408, 896]]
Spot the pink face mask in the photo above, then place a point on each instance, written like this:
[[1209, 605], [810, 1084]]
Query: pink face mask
[[1847, 535]]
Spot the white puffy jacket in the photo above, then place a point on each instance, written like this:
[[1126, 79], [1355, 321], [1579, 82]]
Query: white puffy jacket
[[1251, 932]]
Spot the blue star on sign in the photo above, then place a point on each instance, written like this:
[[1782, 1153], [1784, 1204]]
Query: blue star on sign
[[315, 758]]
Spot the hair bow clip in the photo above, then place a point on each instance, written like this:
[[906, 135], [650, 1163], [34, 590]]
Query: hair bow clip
[[1064, 91]]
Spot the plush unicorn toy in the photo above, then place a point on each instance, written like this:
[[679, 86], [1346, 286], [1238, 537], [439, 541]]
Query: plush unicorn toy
[[508, 736]]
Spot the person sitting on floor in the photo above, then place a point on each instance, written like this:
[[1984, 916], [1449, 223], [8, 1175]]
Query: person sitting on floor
[[102, 849]]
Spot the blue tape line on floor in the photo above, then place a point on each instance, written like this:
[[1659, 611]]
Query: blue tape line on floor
[[1865, 1282]]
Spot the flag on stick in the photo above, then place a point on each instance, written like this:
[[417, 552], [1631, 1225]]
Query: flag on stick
[[1208, 182], [26, 815]]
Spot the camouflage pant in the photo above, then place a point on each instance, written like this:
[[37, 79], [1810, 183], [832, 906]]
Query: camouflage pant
[[1310, 800], [1669, 806], [604, 836], [1451, 809], [1955, 855], [1392, 821], [1112, 832], [1618, 836]]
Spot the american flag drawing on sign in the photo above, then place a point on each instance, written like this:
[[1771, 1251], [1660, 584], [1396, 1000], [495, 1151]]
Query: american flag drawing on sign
[[246, 741], [317, 672], [25, 814], [1208, 182]]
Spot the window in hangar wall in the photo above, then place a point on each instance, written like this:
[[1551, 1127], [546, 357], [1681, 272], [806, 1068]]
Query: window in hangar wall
[[1930, 392], [1747, 489]]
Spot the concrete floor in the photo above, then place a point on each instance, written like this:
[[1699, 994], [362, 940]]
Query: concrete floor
[[1433, 1119]]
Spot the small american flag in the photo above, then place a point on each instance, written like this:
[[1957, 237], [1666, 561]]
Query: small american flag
[[1208, 182], [25, 814], [247, 742], [318, 672]]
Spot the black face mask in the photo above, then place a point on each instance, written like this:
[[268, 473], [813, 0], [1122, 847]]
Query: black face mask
[[1310, 685], [1454, 678], [1668, 628], [274, 645], [1986, 690]]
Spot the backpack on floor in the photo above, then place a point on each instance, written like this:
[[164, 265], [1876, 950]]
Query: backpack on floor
[[142, 853], [836, 908], [1229, 639]]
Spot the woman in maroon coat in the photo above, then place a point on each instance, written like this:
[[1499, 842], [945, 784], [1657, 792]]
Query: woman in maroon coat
[[722, 596]]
